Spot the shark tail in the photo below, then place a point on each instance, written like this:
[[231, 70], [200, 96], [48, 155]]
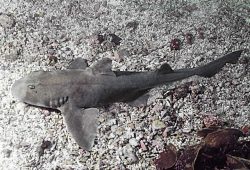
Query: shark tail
[[215, 66], [165, 74]]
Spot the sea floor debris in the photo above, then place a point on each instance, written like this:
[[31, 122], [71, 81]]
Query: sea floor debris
[[219, 149]]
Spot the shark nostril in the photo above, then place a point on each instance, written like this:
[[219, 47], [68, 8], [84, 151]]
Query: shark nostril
[[17, 91], [55, 102], [61, 101], [50, 103], [31, 86], [65, 99]]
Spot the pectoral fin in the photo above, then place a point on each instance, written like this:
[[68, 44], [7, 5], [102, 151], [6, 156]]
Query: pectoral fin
[[82, 125]]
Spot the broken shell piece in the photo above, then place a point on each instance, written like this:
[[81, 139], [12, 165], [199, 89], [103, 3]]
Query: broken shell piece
[[157, 124], [222, 137], [188, 157], [204, 132], [235, 162], [143, 146], [133, 142], [211, 120], [175, 44], [189, 38], [167, 158], [200, 33], [6, 21], [246, 129]]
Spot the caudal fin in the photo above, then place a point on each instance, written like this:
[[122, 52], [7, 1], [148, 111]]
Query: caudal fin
[[215, 66]]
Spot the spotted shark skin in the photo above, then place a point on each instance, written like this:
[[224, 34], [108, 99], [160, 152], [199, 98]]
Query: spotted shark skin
[[78, 91]]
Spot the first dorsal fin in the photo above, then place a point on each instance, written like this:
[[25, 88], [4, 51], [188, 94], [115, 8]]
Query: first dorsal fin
[[165, 68], [104, 66], [78, 63]]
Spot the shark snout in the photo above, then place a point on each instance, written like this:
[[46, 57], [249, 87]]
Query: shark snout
[[18, 90]]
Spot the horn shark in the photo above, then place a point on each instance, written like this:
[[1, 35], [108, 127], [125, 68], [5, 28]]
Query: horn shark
[[78, 91]]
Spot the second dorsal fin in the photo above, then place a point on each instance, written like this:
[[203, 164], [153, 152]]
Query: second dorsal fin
[[104, 66], [78, 63], [165, 68]]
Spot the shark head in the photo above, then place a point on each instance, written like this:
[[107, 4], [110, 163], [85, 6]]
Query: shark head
[[31, 89]]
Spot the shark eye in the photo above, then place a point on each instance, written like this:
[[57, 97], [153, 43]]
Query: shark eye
[[31, 86]]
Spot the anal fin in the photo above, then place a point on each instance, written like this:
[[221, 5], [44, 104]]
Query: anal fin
[[82, 125], [137, 98]]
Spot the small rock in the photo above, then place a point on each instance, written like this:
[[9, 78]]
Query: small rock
[[175, 44], [223, 137], [52, 59], [111, 146], [166, 131], [131, 126], [122, 53], [6, 21], [158, 143], [210, 121], [46, 113], [200, 33], [97, 6], [45, 145], [132, 158], [11, 57], [181, 91], [143, 146], [112, 122], [157, 108], [129, 154], [168, 103], [157, 124], [119, 131], [96, 39], [155, 96], [139, 136], [114, 38], [246, 129], [189, 38], [104, 3], [7, 153], [127, 149], [117, 57], [113, 128], [133, 142], [163, 113], [101, 119], [167, 158], [187, 129], [132, 25], [112, 136]]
